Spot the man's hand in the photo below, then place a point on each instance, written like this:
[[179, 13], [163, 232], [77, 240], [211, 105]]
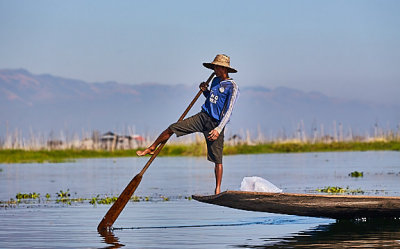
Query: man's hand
[[214, 134], [203, 86]]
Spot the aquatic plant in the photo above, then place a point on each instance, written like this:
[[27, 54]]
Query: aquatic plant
[[330, 189], [135, 198], [63, 194], [340, 190], [9, 204], [356, 191], [64, 197], [81, 200], [33, 195], [356, 174], [105, 200], [93, 200], [108, 200]]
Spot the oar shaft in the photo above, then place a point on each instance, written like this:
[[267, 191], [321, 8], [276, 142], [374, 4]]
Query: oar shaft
[[159, 148]]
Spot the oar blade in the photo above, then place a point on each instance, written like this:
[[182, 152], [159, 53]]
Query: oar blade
[[113, 213]]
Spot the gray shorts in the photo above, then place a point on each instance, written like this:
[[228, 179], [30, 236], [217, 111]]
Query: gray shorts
[[201, 122]]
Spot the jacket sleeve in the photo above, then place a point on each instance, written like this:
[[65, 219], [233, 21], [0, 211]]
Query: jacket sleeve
[[215, 81], [231, 102], [206, 93]]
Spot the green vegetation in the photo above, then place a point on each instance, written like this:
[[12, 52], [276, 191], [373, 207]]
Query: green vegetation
[[105, 200], [63, 194], [55, 156], [135, 198], [27, 196], [356, 174], [339, 190], [310, 147], [64, 197]]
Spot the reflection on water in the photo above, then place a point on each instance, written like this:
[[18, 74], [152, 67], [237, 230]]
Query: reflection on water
[[110, 239], [371, 233]]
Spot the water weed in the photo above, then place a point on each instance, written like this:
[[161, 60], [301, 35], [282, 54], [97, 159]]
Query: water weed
[[356, 174], [135, 198], [339, 190], [27, 196], [63, 197], [63, 194], [105, 200]]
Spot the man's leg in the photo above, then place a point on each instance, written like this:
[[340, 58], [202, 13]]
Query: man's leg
[[164, 136], [218, 177], [180, 128]]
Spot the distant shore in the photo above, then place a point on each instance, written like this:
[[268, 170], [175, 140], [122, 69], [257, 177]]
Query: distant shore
[[59, 156]]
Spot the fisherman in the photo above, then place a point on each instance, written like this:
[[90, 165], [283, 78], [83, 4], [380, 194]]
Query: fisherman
[[213, 117]]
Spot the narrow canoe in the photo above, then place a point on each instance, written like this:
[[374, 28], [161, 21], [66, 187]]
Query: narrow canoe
[[313, 205]]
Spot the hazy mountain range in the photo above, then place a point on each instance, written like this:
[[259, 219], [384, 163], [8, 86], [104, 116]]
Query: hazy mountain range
[[45, 103]]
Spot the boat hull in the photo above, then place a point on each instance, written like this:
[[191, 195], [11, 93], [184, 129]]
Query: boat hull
[[313, 205]]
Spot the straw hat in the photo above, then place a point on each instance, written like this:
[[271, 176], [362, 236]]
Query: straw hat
[[221, 60]]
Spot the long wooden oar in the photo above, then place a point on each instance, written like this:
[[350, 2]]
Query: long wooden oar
[[113, 213]]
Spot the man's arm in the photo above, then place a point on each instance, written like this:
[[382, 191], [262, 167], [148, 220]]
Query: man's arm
[[214, 134], [232, 99]]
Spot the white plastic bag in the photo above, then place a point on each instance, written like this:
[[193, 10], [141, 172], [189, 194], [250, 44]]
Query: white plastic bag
[[258, 184]]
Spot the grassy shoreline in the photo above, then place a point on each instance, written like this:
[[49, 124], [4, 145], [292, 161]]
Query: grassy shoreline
[[56, 156]]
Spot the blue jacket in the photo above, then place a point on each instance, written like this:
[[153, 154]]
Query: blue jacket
[[220, 100]]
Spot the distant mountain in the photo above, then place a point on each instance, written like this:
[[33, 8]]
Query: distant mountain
[[45, 103]]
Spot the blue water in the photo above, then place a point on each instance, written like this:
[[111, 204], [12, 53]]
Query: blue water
[[183, 223]]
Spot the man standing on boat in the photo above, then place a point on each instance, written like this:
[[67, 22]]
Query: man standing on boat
[[213, 117]]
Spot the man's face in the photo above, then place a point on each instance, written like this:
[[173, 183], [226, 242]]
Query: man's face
[[220, 71]]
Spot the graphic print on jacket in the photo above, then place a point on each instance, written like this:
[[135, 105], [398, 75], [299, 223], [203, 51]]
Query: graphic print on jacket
[[220, 100]]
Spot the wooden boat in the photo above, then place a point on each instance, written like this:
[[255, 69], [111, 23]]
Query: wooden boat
[[313, 205]]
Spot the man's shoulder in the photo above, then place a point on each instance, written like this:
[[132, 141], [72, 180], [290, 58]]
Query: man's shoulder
[[229, 83]]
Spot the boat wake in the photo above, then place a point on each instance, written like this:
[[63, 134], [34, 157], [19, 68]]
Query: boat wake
[[279, 220]]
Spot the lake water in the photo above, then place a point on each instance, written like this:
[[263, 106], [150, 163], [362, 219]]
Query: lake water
[[183, 223]]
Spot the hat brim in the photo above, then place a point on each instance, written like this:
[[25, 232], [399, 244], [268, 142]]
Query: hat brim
[[211, 66]]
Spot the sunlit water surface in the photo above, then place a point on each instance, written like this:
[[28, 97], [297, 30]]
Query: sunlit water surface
[[183, 223]]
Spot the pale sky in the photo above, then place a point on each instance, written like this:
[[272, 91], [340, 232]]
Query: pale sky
[[348, 49]]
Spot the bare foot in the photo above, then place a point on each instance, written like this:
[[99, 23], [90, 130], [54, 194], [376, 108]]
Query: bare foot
[[217, 191], [145, 152]]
